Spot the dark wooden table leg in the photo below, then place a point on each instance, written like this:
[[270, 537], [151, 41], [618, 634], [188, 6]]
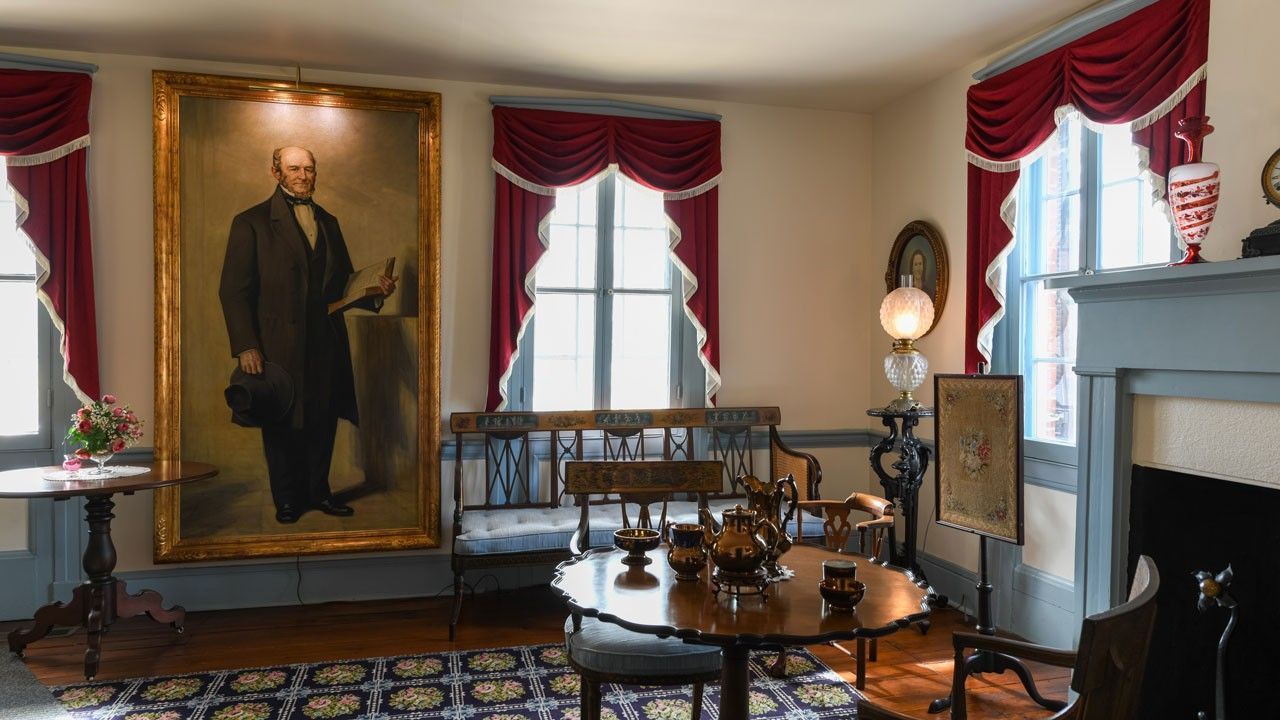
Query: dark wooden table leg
[[735, 682], [149, 602], [48, 617], [94, 603], [861, 682], [99, 562]]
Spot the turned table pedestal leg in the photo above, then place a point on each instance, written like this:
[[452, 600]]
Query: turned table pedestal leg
[[99, 600]]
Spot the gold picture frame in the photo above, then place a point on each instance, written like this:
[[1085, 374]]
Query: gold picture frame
[[376, 156], [978, 473], [920, 241]]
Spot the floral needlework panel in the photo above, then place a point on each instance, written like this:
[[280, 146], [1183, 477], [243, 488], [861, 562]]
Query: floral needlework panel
[[978, 442], [500, 684]]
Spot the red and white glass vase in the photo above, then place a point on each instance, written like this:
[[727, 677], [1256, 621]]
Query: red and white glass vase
[[1193, 190]]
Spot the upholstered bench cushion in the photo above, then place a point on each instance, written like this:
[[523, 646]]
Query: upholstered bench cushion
[[813, 528], [487, 532], [608, 648]]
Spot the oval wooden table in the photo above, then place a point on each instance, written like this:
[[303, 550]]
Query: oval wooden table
[[649, 600], [101, 599]]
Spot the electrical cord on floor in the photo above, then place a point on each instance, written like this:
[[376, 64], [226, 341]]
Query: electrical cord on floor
[[297, 589], [470, 588]]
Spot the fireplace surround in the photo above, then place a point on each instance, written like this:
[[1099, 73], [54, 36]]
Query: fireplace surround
[[1209, 331]]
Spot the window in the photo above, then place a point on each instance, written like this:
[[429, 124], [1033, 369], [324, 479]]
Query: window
[[609, 329], [24, 419], [1083, 208]]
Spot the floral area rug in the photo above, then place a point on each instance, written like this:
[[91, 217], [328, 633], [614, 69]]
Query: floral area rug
[[501, 684]]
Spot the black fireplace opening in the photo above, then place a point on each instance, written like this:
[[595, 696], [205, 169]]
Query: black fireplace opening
[[1188, 523]]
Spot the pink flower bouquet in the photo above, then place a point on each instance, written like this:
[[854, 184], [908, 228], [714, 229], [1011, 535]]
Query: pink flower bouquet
[[103, 428]]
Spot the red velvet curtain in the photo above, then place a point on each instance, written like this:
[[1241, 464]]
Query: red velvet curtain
[[1146, 70], [537, 151], [44, 137]]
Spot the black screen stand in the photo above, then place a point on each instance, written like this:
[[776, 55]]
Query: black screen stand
[[987, 661]]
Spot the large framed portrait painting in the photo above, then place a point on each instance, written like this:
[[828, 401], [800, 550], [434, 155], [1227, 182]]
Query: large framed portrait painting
[[919, 256], [297, 316]]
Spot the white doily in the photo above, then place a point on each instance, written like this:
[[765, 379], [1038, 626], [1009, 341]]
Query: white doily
[[113, 472]]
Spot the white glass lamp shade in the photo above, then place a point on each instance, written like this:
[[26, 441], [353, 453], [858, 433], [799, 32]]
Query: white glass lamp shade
[[906, 313]]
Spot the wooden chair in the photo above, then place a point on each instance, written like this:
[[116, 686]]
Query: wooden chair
[[603, 652], [836, 527], [1106, 671], [836, 530]]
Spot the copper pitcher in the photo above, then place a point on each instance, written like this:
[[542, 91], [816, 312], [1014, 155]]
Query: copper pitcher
[[767, 499], [743, 543]]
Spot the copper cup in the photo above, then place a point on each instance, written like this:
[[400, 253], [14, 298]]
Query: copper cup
[[687, 555], [839, 574]]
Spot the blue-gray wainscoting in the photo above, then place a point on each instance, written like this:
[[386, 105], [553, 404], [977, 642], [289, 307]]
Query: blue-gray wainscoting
[[1034, 604]]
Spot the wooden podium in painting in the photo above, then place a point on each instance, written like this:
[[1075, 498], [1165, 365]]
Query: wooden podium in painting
[[978, 487], [101, 599]]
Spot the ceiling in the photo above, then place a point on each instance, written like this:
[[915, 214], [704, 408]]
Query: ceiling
[[852, 55]]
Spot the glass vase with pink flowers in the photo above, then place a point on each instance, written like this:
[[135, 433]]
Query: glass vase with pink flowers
[[101, 429]]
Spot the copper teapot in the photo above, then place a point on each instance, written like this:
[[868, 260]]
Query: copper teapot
[[743, 543], [766, 498]]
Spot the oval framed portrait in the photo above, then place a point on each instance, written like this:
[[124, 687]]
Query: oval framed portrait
[[918, 253]]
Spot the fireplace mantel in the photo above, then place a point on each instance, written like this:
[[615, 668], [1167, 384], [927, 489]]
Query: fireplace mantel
[[1204, 331]]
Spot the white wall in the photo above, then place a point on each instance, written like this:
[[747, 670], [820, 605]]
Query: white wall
[[919, 173], [795, 212], [1177, 434]]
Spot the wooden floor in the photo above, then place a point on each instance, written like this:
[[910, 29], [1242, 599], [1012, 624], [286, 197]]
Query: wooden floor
[[912, 668]]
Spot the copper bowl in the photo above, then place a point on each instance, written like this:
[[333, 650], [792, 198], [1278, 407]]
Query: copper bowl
[[637, 542], [844, 599]]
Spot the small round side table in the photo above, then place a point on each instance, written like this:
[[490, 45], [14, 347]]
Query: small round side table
[[101, 599]]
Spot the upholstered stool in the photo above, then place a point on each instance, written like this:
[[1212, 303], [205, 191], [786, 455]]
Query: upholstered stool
[[603, 652]]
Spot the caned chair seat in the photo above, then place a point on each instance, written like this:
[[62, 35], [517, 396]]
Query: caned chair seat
[[607, 648]]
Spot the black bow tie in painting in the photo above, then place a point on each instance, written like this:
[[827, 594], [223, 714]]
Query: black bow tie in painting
[[293, 200]]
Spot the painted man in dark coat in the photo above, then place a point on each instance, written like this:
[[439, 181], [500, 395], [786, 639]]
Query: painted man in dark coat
[[286, 260]]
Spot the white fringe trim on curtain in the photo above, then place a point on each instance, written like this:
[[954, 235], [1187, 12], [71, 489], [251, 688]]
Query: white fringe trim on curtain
[[48, 155], [712, 385], [997, 270], [533, 187], [24, 210]]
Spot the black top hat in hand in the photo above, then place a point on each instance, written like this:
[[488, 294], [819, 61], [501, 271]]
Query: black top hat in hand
[[262, 399]]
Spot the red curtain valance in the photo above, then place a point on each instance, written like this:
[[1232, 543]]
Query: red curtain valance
[[537, 151], [44, 137], [1146, 70]]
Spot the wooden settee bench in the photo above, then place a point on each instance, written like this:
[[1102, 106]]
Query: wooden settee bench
[[516, 512]]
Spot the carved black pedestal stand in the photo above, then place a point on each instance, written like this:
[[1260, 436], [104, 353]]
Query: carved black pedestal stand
[[987, 661], [903, 488]]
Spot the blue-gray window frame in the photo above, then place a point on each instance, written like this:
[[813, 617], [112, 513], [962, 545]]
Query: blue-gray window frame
[[688, 377], [1011, 344]]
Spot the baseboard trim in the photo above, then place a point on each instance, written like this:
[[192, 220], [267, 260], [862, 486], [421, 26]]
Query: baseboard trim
[[1042, 607], [228, 587], [947, 578]]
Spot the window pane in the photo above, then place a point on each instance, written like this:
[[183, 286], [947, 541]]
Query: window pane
[[641, 239], [1134, 230], [1062, 162], [641, 372], [1051, 323], [637, 206], [1053, 398], [641, 259], [15, 255], [564, 352], [1058, 247], [19, 359], [570, 262]]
